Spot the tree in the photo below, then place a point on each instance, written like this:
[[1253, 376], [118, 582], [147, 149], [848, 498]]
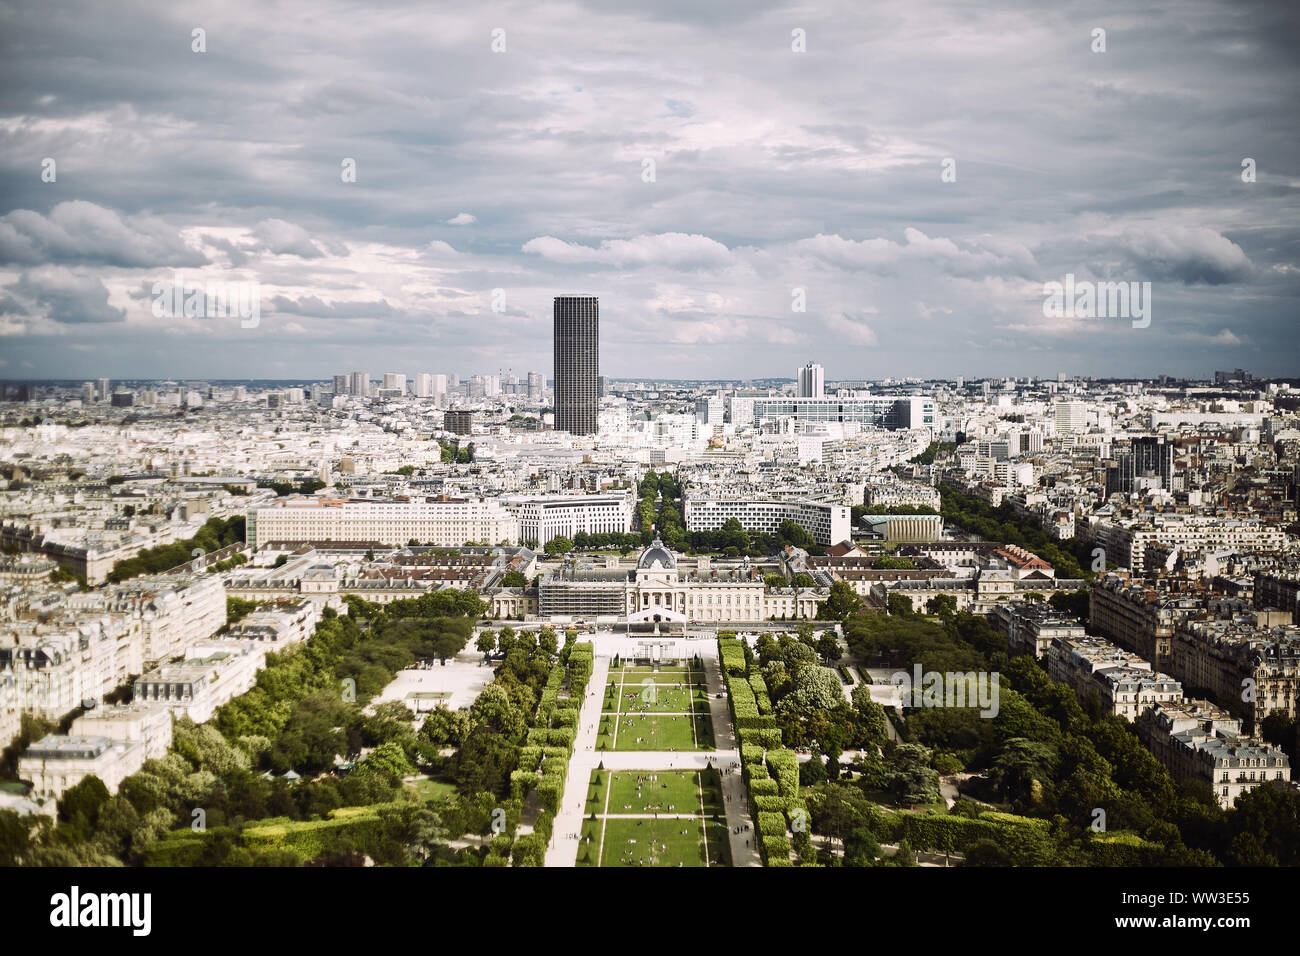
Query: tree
[[558, 545], [815, 689], [843, 602], [1075, 603], [872, 719], [80, 805], [486, 642], [828, 647], [494, 710], [942, 605], [793, 533], [837, 809], [449, 641], [514, 579], [900, 605], [1021, 763], [389, 761], [987, 853], [445, 727], [861, 848]]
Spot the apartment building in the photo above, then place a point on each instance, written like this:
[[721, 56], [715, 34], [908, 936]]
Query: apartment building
[[443, 522], [897, 493], [1280, 590], [1126, 542], [1198, 741], [211, 674], [149, 725], [1030, 627], [1251, 670], [1141, 617], [280, 624], [1125, 682], [57, 762]]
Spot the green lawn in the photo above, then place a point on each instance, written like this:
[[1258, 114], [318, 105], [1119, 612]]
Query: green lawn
[[658, 699], [656, 732], [655, 791], [432, 791], [655, 843], [607, 840], [682, 789]]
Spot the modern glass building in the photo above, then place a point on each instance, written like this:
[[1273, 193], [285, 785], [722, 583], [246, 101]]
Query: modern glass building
[[577, 363], [884, 411]]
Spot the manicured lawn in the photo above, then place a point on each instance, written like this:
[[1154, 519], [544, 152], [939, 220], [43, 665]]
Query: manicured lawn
[[657, 732], [681, 789], [654, 699], [654, 843], [655, 791]]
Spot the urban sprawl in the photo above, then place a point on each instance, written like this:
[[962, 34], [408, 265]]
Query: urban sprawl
[[561, 618]]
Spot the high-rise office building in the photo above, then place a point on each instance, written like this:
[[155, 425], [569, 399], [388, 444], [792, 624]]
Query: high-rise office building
[[459, 422], [812, 381], [1148, 463], [536, 386], [1070, 417], [104, 390], [577, 363], [395, 381], [340, 384], [359, 384]]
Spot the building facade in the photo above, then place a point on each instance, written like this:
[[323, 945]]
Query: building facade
[[577, 363]]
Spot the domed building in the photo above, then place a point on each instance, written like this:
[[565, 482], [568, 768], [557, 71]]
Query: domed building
[[659, 589]]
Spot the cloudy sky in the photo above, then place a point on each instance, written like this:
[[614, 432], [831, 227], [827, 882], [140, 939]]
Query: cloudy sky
[[682, 160]]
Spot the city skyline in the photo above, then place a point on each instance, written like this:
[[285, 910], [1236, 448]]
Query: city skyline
[[998, 151]]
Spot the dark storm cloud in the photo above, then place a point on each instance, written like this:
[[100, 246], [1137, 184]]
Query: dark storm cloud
[[66, 296], [524, 171]]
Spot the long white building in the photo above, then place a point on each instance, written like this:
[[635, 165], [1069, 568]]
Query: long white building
[[443, 522], [827, 522], [886, 411], [544, 517]]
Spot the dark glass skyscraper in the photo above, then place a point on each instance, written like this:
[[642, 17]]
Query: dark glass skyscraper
[[577, 363]]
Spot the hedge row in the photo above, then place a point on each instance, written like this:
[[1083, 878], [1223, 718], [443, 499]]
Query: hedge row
[[784, 766], [770, 771], [1027, 840], [732, 655], [768, 738], [581, 663]]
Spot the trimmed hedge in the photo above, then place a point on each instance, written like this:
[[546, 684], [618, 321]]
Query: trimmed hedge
[[732, 654], [766, 803], [784, 766], [776, 849]]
